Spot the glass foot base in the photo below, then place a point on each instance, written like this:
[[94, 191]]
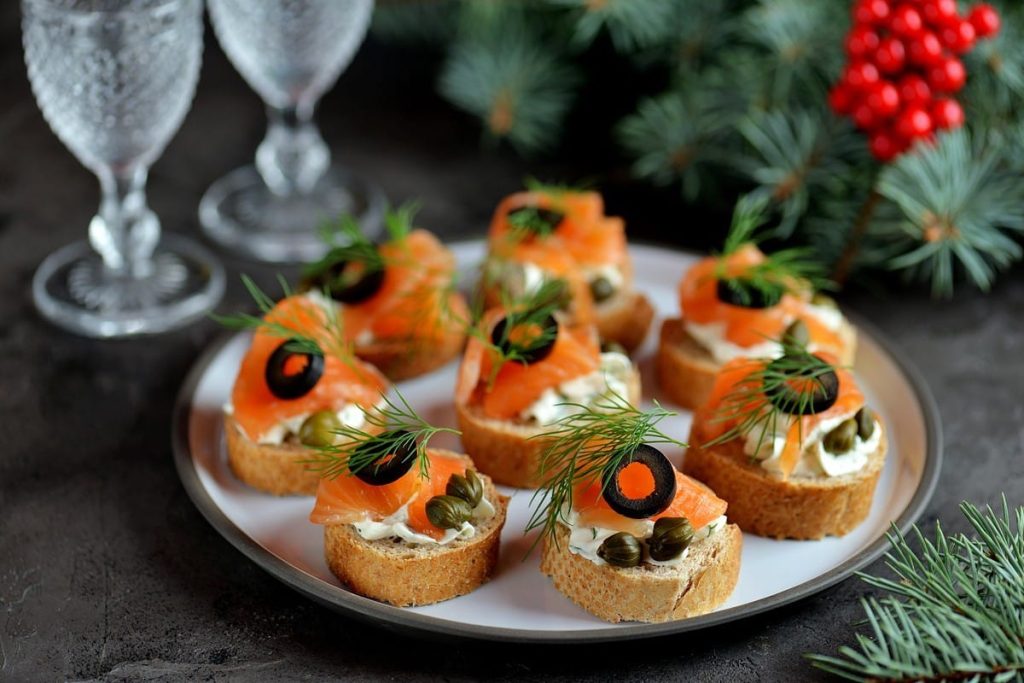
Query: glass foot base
[[73, 290], [241, 213]]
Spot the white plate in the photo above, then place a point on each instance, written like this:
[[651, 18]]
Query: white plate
[[519, 603]]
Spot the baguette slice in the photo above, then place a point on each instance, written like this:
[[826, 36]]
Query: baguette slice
[[400, 360], [508, 451], [648, 593], [764, 503], [625, 318], [406, 575], [686, 370], [270, 468]]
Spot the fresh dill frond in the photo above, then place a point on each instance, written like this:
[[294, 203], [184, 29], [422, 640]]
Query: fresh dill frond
[[351, 246], [750, 213], [589, 446], [399, 221], [771, 394], [394, 427], [555, 190], [332, 339], [532, 221]]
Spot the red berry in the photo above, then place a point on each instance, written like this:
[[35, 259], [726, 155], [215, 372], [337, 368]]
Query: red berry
[[870, 11], [938, 13], [985, 20], [925, 49], [959, 37], [840, 99], [890, 56], [861, 76], [883, 99], [948, 76], [947, 114], [864, 117], [914, 123], [861, 43], [884, 146], [906, 21], [914, 90]]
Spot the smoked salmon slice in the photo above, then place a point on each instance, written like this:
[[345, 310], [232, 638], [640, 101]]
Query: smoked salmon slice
[[516, 385], [347, 499], [344, 381], [693, 500]]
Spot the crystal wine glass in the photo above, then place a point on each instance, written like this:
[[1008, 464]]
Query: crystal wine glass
[[114, 79], [290, 52]]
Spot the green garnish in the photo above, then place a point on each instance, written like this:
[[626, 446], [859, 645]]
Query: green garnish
[[589, 445], [399, 428]]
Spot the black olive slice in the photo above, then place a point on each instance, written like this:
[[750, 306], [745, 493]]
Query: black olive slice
[[535, 350], [366, 285], [657, 500], [392, 464], [790, 400], [738, 291], [289, 385], [535, 220]]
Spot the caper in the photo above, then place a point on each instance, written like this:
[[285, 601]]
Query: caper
[[319, 429], [841, 439], [865, 423], [468, 488], [796, 334], [602, 289], [671, 536], [620, 550], [448, 512], [823, 300], [613, 347]]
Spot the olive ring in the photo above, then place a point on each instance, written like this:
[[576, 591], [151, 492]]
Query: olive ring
[[368, 284], [530, 352], [544, 221], [790, 401], [293, 385], [738, 291], [657, 500], [390, 465]]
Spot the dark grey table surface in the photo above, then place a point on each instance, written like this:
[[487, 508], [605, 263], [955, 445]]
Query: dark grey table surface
[[108, 572]]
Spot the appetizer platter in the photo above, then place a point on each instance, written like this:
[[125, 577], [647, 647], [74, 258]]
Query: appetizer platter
[[492, 439]]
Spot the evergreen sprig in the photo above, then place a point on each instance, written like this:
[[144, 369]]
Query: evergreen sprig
[[953, 612], [589, 445], [631, 24]]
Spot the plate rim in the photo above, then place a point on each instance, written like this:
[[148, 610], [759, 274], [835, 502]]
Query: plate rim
[[388, 616]]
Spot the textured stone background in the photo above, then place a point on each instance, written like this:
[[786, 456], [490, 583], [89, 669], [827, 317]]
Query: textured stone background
[[108, 572]]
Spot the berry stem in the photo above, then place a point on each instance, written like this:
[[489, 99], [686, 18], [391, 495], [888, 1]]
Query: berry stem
[[844, 265]]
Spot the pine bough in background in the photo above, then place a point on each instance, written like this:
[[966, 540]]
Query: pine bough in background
[[746, 104]]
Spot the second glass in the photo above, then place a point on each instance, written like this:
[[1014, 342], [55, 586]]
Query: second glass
[[290, 52]]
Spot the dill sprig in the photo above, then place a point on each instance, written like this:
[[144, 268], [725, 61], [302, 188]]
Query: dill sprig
[[771, 394], [394, 427], [332, 340], [588, 446], [780, 271]]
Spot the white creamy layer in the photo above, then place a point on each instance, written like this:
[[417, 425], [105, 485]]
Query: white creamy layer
[[611, 377], [585, 541], [395, 526], [523, 279], [815, 461], [351, 415], [712, 336]]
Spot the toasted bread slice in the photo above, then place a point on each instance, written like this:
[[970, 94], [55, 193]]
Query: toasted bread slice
[[686, 370], [275, 469], [625, 318], [764, 503], [510, 451], [403, 359], [702, 582], [406, 575]]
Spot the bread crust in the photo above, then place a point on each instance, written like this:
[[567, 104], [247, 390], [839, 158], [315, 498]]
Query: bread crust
[[509, 452], [625, 318], [686, 370], [647, 593], [764, 503], [403, 359], [270, 468], [406, 575]]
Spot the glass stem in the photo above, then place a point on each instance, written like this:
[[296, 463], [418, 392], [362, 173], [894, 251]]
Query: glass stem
[[293, 156], [125, 231]]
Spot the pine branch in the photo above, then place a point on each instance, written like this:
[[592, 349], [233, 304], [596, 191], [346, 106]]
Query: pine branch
[[631, 24], [955, 610], [959, 207]]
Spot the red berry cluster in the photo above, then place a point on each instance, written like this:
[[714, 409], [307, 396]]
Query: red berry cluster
[[904, 69]]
